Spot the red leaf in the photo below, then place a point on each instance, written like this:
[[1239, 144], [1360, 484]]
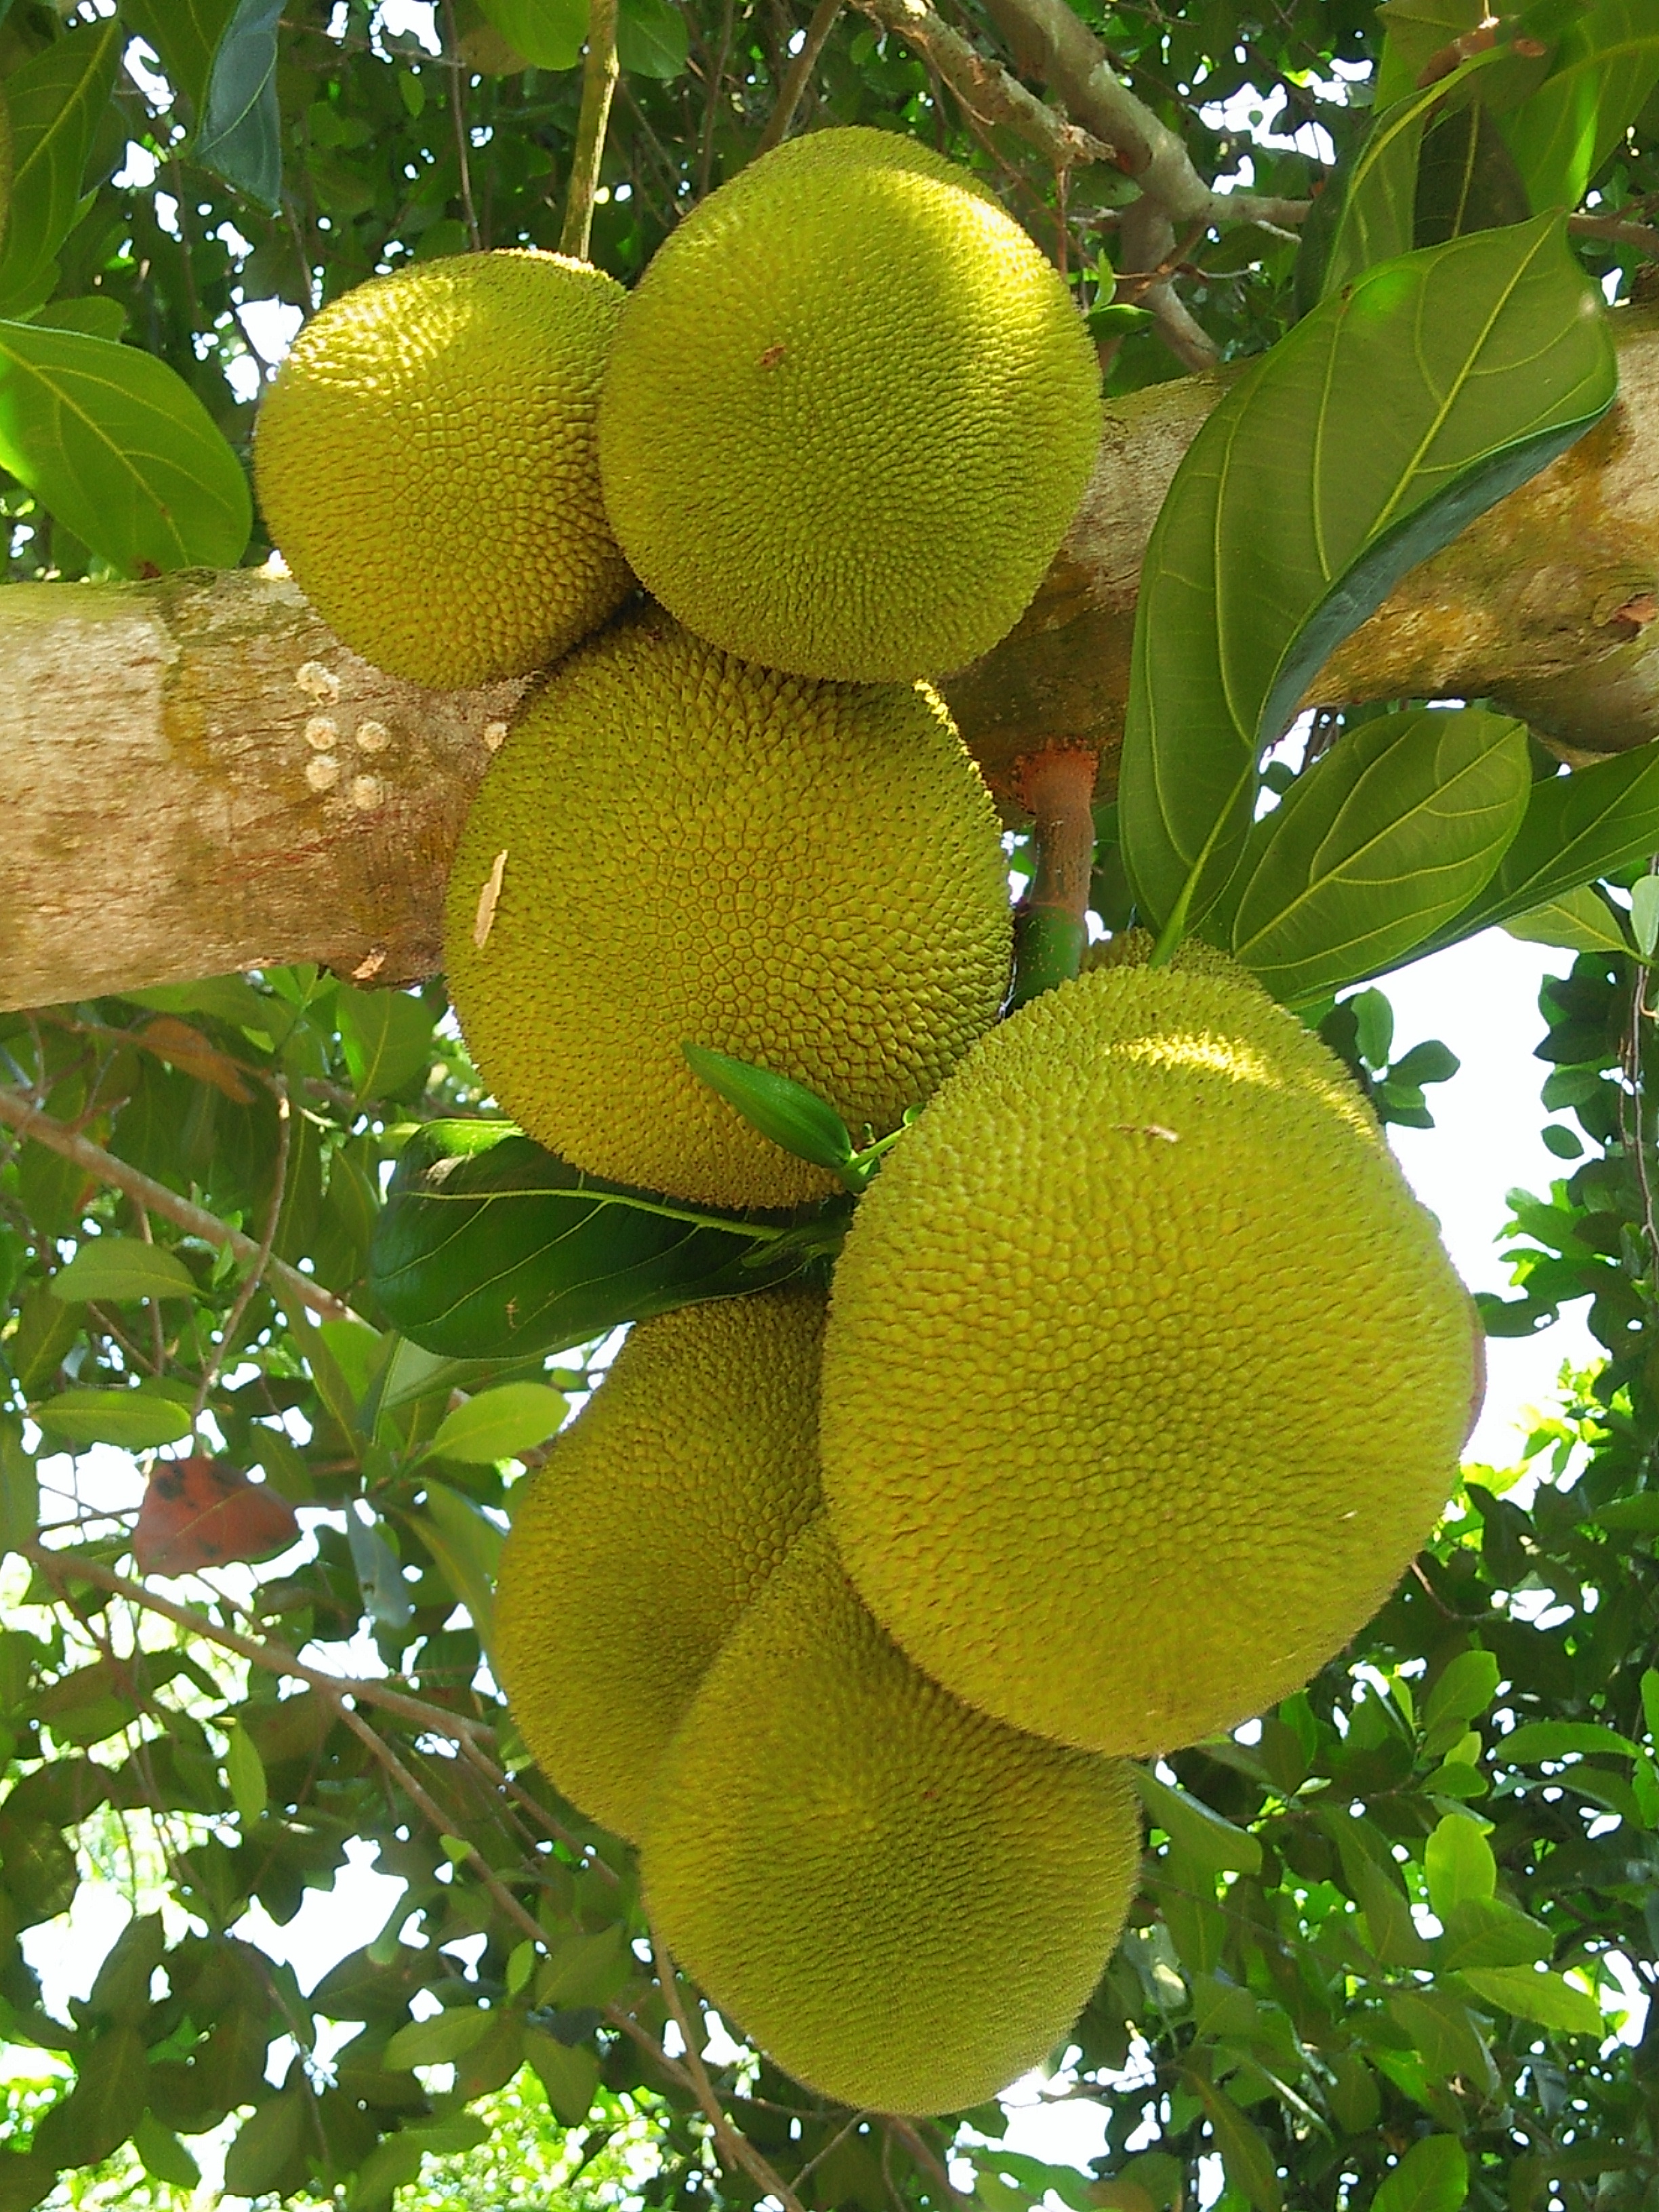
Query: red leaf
[[202, 1512]]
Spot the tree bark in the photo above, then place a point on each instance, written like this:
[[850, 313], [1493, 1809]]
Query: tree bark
[[195, 776]]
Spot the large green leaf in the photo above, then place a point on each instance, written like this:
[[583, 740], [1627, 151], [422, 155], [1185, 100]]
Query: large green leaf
[[1604, 70], [489, 1245], [1387, 837], [1577, 828], [184, 36], [1245, 2153], [386, 1038], [1363, 442], [499, 1424], [240, 132], [120, 1267], [1546, 1998], [466, 1545], [653, 39], [121, 450], [1581, 919], [548, 34], [56, 102], [104, 2105], [135, 1419]]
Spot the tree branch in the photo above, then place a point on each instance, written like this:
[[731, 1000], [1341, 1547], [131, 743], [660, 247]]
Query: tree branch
[[598, 87], [16, 1113], [985, 86], [800, 70]]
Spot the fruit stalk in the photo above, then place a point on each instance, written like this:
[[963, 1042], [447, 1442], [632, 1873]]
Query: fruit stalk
[[1051, 926], [598, 86]]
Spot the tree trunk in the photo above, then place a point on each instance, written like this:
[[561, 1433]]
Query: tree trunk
[[195, 776]]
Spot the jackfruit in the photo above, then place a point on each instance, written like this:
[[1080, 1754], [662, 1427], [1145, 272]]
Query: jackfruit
[[849, 414], [904, 1902], [1145, 1373], [426, 460], [675, 845], [657, 1515]]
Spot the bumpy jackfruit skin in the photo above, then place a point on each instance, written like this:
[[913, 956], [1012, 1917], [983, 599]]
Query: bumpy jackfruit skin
[[657, 1517], [1145, 1373], [426, 460], [850, 413], [808, 875], [904, 1902]]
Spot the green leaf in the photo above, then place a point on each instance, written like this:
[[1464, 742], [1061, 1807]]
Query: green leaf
[[1249, 2163], [117, 1268], [1459, 1863], [1433, 2176], [20, 1487], [1546, 1998], [499, 1424], [163, 2156], [653, 39], [184, 36], [56, 100], [1363, 442], [386, 1036], [1417, 30], [569, 2072], [1380, 842], [1582, 919], [587, 1970], [548, 34], [489, 1247], [1536, 1740], [105, 2105], [266, 2143], [1589, 823], [1467, 178], [135, 1419], [466, 1545], [1443, 2034], [786, 1112], [1481, 1931], [1604, 70], [1651, 1702], [244, 1770], [121, 450], [240, 130], [436, 2041], [1215, 1845], [380, 1574], [1464, 1688]]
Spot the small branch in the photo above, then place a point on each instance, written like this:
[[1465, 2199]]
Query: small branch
[[457, 118], [711, 103], [16, 1113], [599, 84], [907, 2133], [1612, 231], [800, 72], [1052, 927], [1073, 63], [256, 1274], [1149, 243], [736, 2144], [985, 86], [276, 1658]]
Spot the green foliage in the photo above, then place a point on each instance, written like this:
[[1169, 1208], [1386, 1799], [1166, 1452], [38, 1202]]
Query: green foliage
[[1372, 1968]]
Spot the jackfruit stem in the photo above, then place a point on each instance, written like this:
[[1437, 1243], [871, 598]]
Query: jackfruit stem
[[599, 73], [1051, 928]]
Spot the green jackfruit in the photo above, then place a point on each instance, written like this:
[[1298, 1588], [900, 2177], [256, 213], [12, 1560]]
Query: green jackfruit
[[850, 412], [1145, 1373], [426, 461], [904, 1902], [675, 845], [657, 1515]]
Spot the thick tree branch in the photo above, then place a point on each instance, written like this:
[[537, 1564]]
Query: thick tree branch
[[165, 817]]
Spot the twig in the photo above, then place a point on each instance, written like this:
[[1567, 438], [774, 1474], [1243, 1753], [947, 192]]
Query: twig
[[711, 104], [1148, 241], [599, 84], [244, 1297], [800, 72], [985, 86], [276, 1658], [457, 116], [1613, 231], [1073, 63], [736, 2144], [907, 2133], [16, 1113]]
